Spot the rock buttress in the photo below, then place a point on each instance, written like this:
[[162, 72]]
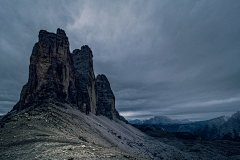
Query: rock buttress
[[50, 71], [85, 78], [105, 98]]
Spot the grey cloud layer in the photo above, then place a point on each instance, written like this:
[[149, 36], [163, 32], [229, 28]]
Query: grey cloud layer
[[172, 58]]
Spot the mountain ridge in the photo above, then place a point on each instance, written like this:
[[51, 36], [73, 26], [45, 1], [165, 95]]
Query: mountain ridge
[[159, 120], [219, 128]]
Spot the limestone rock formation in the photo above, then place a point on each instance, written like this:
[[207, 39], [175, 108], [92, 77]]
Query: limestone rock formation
[[83, 67], [50, 71], [105, 98], [55, 74]]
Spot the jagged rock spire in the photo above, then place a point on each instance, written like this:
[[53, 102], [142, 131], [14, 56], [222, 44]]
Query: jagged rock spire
[[57, 75], [83, 66], [50, 71], [105, 98]]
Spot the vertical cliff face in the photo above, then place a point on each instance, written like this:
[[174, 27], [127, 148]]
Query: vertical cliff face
[[105, 98], [50, 71], [85, 77], [55, 74]]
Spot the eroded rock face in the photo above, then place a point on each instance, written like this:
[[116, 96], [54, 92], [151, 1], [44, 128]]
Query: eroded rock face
[[50, 71], [83, 66], [55, 74], [105, 98]]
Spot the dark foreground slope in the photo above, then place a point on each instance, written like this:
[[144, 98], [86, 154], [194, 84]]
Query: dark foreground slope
[[58, 131], [54, 130]]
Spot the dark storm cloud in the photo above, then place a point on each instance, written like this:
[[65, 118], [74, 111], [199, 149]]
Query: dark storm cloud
[[174, 58]]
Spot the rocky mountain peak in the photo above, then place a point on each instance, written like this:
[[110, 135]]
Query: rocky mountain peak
[[85, 77], [86, 48], [48, 38], [236, 115], [55, 74], [50, 71], [101, 78], [106, 98], [61, 32]]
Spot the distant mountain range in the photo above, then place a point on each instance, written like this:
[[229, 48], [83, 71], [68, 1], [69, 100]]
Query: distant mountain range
[[159, 120], [220, 128], [226, 128]]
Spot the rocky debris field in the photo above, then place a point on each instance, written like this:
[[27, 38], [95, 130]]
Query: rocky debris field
[[55, 130], [54, 135]]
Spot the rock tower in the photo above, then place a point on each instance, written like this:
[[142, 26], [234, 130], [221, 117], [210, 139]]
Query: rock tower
[[55, 74]]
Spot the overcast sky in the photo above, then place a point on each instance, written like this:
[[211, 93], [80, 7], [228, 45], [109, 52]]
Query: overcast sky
[[172, 58]]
